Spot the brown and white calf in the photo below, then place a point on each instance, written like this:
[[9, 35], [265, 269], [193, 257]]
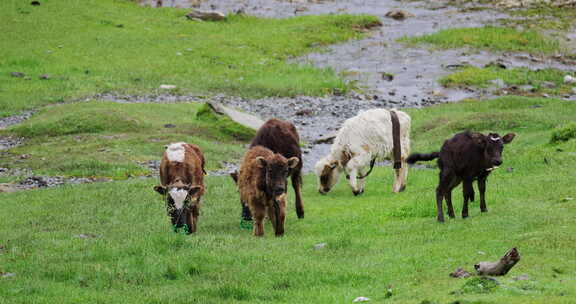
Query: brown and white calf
[[182, 184], [463, 158], [262, 183]]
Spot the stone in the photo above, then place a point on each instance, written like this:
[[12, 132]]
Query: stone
[[569, 79], [387, 76], [499, 83], [197, 14], [398, 14], [7, 274], [522, 277], [460, 273], [169, 126], [326, 139], [44, 77], [17, 74], [35, 3], [167, 86], [7, 188], [320, 246], [242, 118], [361, 299], [526, 88], [548, 84], [574, 90]]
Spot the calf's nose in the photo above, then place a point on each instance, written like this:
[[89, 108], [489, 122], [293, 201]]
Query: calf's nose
[[279, 190], [497, 162]]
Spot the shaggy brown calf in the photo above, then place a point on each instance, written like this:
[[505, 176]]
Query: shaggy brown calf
[[463, 158], [182, 184], [280, 137], [262, 184]]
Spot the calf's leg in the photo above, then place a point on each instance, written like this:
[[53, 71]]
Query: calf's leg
[[277, 215], [400, 179], [482, 190], [353, 166], [192, 221], [258, 212], [468, 192], [297, 185]]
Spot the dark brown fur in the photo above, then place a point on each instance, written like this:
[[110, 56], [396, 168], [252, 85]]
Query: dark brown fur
[[262, 183], [463, 158], [183, 175], [282, 137]]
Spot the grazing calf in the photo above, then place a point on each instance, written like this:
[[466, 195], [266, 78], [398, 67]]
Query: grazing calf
[[262, 183], [463, 158], [280, 137], [182, 184], [373, 134]]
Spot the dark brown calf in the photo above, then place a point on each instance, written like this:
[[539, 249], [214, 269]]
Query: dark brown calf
[[262, 183], [463, 158], [280, 137], [182, 184]]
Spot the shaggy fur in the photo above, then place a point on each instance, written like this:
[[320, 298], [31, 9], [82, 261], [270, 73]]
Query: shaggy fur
[[182, 179], [463, 158], [262, 184], [362, 138]]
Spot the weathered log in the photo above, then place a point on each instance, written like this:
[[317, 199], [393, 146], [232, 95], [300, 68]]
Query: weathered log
[[500, 267]]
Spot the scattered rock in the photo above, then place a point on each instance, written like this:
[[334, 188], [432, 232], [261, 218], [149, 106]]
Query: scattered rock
[[35, 3], [7, 188], [306, 112], [522, 277], [499, 83], [510, 170], [398, 14], [34, 181], [244, 119], [496, 64], [45, 76], [205, 15], [548, 84], [321, 246], [361, 299], [526, 88], [569, 79], [387, 76], [6, 274], [87, 236], [24, 156], [460, 273], [326, 139], [567, 199], [169, 126], [17, 74], [167, 86], [574, 90]]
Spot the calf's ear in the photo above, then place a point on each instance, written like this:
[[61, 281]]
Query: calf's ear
[[160, 189], [293, 162], [261, 161], [193, 190], [508, 138], [234, 176]]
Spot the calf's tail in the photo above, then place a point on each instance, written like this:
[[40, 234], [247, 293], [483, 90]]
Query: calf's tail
[[414, 157]]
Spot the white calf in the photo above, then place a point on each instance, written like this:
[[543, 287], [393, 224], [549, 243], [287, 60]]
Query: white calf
[[363, 139]]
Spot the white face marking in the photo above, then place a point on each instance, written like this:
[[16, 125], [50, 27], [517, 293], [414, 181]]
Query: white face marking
[[178, 196], [175, 152], [495, 138]]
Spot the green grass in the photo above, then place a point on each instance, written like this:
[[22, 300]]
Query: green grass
[[489, 38], [543, 17], [106, 139], [381, 245], [482, 77], [93, 46]]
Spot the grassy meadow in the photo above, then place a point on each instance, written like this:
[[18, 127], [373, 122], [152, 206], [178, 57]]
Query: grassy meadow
[[112, 243], [87, 47]]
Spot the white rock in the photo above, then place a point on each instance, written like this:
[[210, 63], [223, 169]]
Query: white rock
[[361, 299], [320, 246], [569, 79], [167, 86]]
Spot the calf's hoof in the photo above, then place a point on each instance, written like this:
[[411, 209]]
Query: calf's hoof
[[440, 219], [402, 188], [300, 215], [464, 216], [484, 210]]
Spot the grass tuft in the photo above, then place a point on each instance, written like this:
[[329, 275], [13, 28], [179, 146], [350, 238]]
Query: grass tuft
[[563, 133], [550, 81], [489, 38]]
